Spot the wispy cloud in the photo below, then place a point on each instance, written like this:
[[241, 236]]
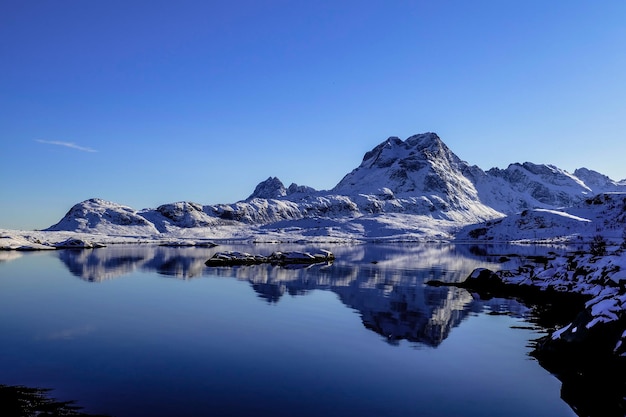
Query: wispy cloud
[[67, 145], [67, 334]]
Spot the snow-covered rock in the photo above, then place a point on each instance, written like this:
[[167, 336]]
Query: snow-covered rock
[[270, 188], [600, 278], [300, 189], [232, 258], [179, 215], [273, 188], [598, 182], [181, 243], [75, 243]]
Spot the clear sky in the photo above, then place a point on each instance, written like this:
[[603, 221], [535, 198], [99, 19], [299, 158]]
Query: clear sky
[[150, 102]]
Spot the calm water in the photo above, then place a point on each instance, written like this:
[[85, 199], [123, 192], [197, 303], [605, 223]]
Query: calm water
[[152, 331]]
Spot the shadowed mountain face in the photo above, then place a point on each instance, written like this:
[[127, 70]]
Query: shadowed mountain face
[[419, 176], [384, 284]]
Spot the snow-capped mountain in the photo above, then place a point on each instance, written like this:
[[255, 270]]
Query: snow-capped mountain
[[420, 165], [412, 188], [420, 175]]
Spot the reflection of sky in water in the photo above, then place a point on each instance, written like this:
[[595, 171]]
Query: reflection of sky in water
[[143, 344]]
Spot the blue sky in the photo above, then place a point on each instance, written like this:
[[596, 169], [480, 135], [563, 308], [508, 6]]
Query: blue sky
[[151, 102]]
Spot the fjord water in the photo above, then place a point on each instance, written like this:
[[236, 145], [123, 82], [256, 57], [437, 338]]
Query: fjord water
[[152, 331]]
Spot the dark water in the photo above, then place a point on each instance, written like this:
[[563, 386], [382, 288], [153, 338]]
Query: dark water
[[152, 331]]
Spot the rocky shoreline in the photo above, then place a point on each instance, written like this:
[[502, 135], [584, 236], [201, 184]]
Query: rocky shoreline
[[581, 299], [596, 283]]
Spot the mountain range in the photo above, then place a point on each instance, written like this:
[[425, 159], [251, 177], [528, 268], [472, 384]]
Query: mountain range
[[411, 189]]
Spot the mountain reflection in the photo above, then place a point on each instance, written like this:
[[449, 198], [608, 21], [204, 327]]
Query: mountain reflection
[[384, 284], [96, 265], [394, 303]]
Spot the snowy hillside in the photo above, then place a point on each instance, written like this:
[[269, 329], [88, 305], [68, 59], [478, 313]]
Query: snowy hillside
[[542, 185], [598, 181], [96, 215], [603, 214], [416, 189]]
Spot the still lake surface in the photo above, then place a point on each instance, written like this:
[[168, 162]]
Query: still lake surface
[[151, 331]]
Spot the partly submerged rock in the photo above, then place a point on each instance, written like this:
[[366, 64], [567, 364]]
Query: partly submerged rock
[[75, 243], [187, 243], [235, 258], [276, 258], [301, 257]]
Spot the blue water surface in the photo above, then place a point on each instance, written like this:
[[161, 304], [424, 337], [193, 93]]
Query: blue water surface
[[152, 331]]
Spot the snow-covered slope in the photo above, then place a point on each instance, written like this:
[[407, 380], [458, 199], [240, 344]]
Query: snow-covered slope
[[603, 214], [542, 185], [415, 189], [97, 215], [599, 182]]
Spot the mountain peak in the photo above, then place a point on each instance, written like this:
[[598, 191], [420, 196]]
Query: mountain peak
[[270, 188], [421, 163], [418, 142], [424, 140], [597, 181]]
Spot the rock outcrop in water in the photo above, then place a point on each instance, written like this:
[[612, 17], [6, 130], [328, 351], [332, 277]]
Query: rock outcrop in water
[[276, 258]]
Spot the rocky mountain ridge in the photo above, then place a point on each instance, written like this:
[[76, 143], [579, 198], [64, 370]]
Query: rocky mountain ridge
[[400, 185]]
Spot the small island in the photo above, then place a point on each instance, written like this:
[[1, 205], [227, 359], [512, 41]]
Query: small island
[[276, 258]]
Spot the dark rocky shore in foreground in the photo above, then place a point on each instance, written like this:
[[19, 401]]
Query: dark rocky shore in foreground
[[579, 298]]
